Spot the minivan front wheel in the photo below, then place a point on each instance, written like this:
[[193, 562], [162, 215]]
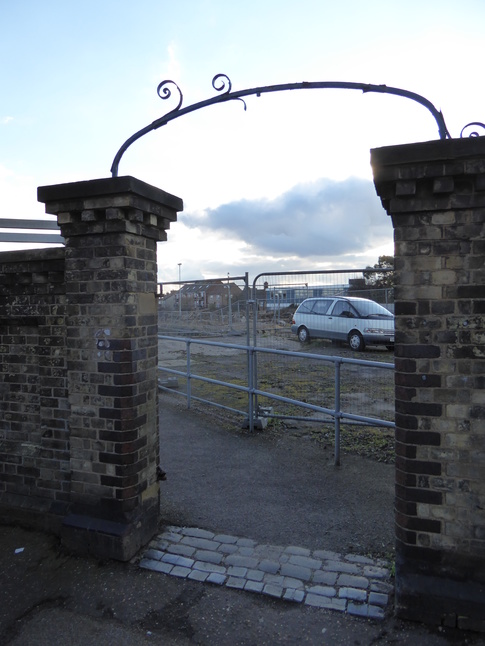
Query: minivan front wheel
[[303, 335], [356, 341]]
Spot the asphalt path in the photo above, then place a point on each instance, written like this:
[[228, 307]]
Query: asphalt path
[[280, 488]]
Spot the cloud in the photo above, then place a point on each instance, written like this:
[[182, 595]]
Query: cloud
[[310, 221], [5, 120], [173, 64]]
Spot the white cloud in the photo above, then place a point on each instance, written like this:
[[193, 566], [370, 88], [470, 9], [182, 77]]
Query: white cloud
[[319, 225], [307, 223], [5, 120], [173, 65]]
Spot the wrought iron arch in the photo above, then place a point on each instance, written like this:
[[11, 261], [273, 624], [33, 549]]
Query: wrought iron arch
[[222, 84]]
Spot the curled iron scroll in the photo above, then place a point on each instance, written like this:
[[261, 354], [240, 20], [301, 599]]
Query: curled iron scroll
[[473, 133], [222, 83], [164, 92]]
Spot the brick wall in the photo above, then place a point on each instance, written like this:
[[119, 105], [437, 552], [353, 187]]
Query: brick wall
[[435, 194], [34, 436], [79, 369]]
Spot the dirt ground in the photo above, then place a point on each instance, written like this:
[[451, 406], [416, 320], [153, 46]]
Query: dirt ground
[[50, 597]]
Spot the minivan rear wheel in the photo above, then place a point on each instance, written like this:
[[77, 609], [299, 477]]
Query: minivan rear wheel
[[356, 341], [303, 334]]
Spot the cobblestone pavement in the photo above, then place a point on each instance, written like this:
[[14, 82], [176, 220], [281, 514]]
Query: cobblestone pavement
[[353, 584]]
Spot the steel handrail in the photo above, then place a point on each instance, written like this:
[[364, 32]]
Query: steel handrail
[[336, 413]]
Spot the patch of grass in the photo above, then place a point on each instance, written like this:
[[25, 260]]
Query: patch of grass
[[362, 391], [376, 444]]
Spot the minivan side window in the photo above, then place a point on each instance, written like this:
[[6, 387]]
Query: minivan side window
[[321, 307], [343, 308], [306, 307]]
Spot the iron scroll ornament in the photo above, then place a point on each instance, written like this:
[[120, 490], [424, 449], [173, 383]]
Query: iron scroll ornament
[[222, 84], [473, 133]]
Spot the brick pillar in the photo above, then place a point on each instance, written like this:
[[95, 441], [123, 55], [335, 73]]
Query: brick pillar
[[111, 228], [435, 194]]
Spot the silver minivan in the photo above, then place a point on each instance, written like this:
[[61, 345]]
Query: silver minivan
[[356, 321]]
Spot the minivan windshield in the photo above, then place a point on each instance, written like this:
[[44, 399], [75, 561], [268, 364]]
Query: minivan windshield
[[369, 309]]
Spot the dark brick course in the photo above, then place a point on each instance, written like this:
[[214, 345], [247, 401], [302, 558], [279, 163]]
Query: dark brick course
[[435, 194], [83, 320]]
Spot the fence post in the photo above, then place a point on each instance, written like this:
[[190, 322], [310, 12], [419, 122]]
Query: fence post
[[189, 381], [111, 228], [251, 358], [337, 413]]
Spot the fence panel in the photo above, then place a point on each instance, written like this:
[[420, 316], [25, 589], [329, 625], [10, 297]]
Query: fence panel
[[278, 294], [366, 387], [224, 384], [216, 307], [276, 297], [273, 374]]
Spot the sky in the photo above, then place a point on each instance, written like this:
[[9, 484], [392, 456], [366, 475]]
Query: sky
[[282, 185]]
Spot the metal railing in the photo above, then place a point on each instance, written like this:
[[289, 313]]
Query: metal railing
[[23, 230], [253, 413]]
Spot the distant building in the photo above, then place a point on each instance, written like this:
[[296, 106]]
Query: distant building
[[202, 295]]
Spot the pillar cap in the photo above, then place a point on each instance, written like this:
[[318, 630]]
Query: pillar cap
[[105, 187], [435, 151]]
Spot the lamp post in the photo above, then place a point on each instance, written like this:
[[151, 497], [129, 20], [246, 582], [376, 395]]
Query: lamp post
[[180, 289]]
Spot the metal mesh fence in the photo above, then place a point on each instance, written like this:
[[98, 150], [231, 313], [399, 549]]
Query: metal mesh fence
[[277, 295], [217, 310], [364, 391], [216, 307]]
